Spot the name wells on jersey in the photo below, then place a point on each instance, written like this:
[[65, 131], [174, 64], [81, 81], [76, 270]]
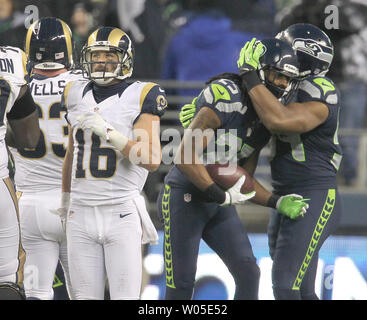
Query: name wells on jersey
[[48, 88]]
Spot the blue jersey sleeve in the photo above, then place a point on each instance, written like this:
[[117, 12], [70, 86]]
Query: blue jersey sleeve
[[318, 89], [321, 89], [155, 101], [224, 97]]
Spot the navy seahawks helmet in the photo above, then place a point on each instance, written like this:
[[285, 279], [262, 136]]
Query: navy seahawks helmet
[[48, 44], [111, 40], [314, 49], [280, 57]]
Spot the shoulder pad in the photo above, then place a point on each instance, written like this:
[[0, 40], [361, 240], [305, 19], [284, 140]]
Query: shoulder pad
[[222, 90], [14, 65], [73, 76], [65, 95], [325, 84], [222, 95], [73, 89], [319, 88]]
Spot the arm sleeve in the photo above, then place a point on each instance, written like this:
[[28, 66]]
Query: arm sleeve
[[259, 137], [257, 140], [22, 107], [152, 100], [320, 89]]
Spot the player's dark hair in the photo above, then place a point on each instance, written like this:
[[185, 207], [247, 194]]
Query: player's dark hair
[[227, 75], [236, 78]]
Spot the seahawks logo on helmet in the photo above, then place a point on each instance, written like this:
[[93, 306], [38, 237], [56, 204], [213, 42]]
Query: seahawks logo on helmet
[[264, 49], [313, 48]]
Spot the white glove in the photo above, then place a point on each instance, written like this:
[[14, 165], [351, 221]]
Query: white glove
[[234, 195], [62, 212], [94, 122]]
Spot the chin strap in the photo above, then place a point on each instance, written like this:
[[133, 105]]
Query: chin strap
[[100, 77]]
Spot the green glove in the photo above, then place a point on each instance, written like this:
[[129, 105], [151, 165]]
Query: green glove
[[292, 205], [249, 56], [187, 113]]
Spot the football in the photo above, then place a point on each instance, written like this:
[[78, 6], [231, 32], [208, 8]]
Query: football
[[226, 176]]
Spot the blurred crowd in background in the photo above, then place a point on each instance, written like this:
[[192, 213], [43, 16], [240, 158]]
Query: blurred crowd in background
[[192, 40]]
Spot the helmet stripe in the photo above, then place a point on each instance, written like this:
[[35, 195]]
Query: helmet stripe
[[67, 33], [92, 38], [28, 37], [103, 33], [115, 36]]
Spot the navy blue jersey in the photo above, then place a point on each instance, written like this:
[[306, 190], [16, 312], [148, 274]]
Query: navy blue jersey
[[236, 139], [310, 160]]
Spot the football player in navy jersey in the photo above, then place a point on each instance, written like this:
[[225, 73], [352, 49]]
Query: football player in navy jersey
[[193, 207], [307, 157]]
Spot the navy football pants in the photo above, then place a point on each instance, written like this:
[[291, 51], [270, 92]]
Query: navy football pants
[[295, 244], [185, 223]]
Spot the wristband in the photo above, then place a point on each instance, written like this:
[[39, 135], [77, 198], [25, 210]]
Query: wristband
[[250, 79], [215, 194], [118, 140], [65, 200], [272, 202]]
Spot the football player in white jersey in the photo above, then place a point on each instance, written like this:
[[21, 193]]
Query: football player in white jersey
[[113, 144], [18, 127], [48, 46]]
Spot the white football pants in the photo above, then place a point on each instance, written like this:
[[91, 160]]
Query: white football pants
[[12, 255], [44, 242], [105, 241]]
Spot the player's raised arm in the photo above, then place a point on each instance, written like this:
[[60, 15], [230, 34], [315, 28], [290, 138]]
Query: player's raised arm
[[280, 81], [293, 118]]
